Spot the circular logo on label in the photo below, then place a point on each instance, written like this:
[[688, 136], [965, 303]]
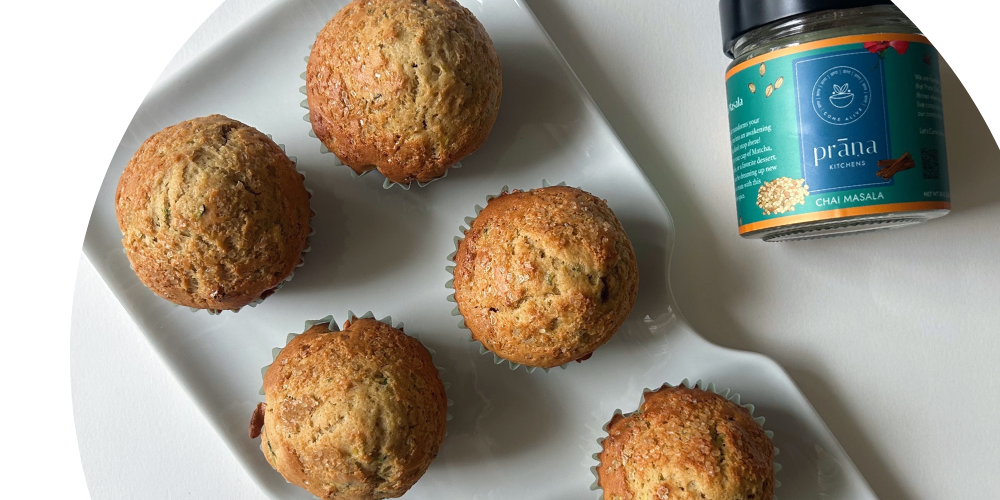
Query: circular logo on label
[[841, 95]]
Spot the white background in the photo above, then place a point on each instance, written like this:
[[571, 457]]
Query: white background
[[890, 336]]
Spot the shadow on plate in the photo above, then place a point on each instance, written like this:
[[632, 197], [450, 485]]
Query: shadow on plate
[[878, 474], [651, 243], [493, 417], [538, 117], [363, 232]]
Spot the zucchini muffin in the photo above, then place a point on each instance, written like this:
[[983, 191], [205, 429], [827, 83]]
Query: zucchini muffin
[[545, 277], [409, 87], [213, 214], [686, 444], [352, 415]]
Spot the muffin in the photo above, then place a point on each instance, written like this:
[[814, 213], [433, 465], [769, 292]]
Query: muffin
[[352, 415], [409, 87], [686, 444], [213, 214], [546, 276]]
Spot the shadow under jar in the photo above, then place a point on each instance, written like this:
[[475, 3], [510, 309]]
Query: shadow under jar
[[835, 118]]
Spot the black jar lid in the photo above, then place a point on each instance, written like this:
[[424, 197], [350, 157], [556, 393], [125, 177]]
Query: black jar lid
[[741, 16]]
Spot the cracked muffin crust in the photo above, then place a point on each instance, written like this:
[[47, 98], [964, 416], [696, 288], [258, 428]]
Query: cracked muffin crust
[[686, 444], [409, 87], [353, 415], [545, 277], [213, 213]]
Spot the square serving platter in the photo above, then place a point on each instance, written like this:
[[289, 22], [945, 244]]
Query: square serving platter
[[513, 434]]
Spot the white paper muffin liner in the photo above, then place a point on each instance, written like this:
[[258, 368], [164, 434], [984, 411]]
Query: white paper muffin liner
[[450, 284], [386, 184], [710, 387], [334, 327], [302, 256]]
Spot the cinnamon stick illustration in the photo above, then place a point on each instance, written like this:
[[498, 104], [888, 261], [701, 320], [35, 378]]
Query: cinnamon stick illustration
[[891, 167]]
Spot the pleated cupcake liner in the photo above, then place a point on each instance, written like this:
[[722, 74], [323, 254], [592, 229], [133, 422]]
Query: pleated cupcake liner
[[335, 327], [700, 384], [386, 184], [450, 284]]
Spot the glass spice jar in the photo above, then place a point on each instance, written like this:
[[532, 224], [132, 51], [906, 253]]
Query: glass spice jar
[[835, 117]]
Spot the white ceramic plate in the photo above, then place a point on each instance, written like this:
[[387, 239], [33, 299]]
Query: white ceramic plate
[[514, 434]]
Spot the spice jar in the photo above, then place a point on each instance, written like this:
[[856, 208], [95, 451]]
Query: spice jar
[[835, 118]]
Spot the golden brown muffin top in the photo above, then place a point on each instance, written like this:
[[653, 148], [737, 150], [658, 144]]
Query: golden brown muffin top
[[406, 86], [545, 277], [686, 444], [213, 213], [353, 415]]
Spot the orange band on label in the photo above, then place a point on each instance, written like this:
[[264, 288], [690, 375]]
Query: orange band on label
[[830, 42], [844, 212]]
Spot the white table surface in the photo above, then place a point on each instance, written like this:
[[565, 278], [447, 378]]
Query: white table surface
[[891, 336]]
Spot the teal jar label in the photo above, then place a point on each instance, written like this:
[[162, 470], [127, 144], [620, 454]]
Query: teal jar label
[[844, 127]]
